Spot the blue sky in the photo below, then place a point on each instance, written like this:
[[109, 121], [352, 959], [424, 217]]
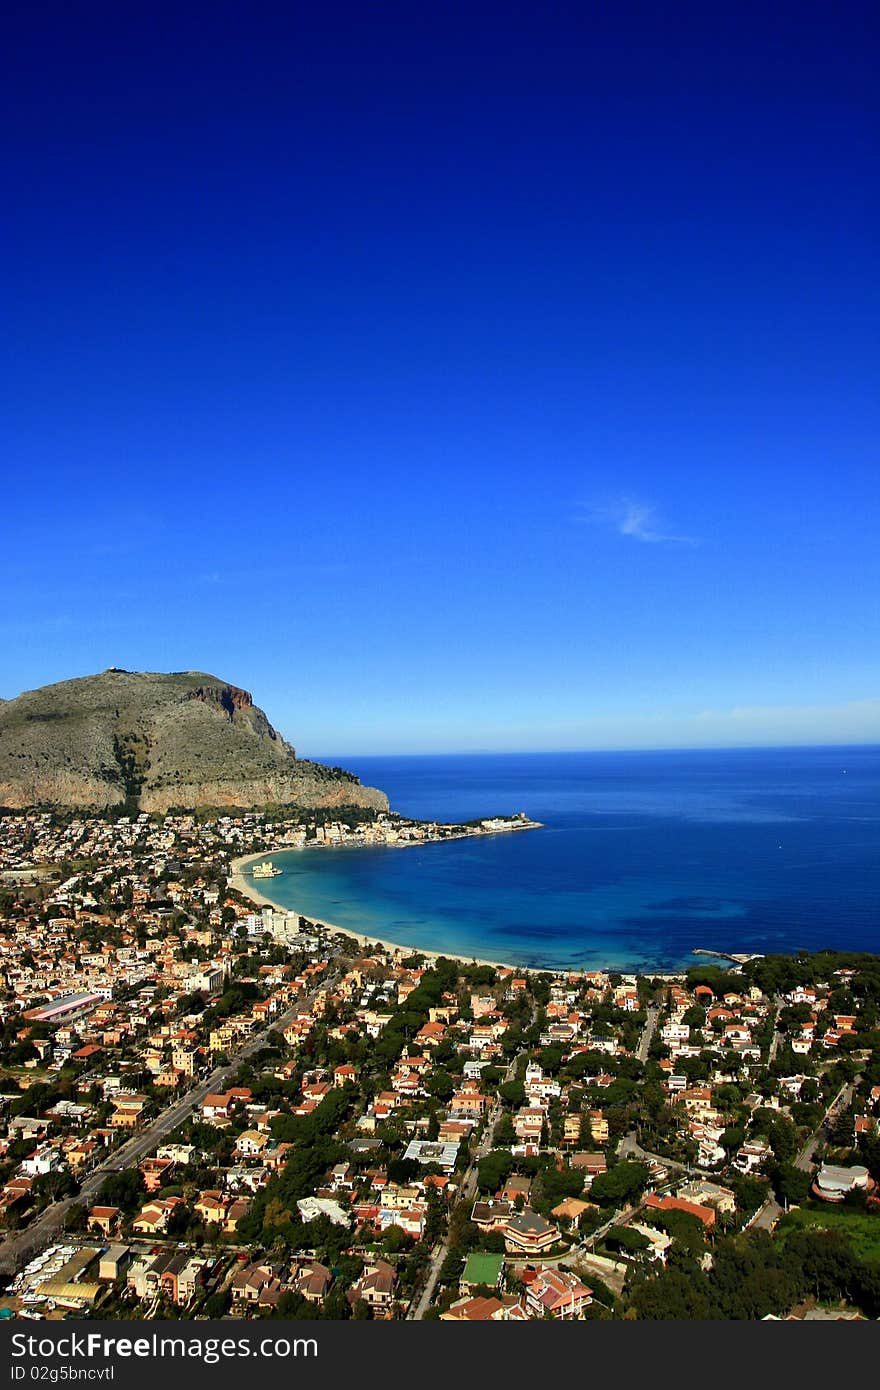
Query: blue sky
[[456, 376]]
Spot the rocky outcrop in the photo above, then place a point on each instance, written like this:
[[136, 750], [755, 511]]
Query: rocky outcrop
[[153, 741]]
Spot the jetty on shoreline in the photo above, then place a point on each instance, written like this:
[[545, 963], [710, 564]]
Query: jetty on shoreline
[[738, 957]]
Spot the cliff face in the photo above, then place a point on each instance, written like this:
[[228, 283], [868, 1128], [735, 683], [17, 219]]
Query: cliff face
[[152, 741]]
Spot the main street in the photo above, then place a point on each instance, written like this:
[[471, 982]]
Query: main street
[[778, 1035], [18, 1248], [648, 1033]]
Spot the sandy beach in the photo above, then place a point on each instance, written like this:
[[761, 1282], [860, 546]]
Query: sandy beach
[[244, 885]]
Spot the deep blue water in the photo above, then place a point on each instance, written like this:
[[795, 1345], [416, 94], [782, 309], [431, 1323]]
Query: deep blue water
[[643, 856]]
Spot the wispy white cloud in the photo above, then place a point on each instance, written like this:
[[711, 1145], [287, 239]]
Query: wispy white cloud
[[268, 574], [863, 712], [640, 521]]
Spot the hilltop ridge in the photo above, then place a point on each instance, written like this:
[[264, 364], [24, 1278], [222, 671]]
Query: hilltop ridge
[[151, 741]]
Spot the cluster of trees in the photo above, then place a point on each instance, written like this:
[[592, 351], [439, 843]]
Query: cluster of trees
[[750, 1276], [409, 1016], [622, 1183], [273, 1216], [124, 1189], [233, 1000], [619, 1185], [782, 974]]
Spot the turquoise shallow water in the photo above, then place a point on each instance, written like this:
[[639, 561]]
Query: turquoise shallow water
[[643, 856]]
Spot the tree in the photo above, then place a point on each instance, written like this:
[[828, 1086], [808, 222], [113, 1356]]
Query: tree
[[751, 1192], [217, 1304], [686, 1230], [512, 1092], [619, 1184], [622, 1238], [791, 1184], [842, 1131], [494, 1170], [694, 1017], [551, 1186], [551, 1058], [76, 1217], [505, 1134], [441, 1085], [124, 1189], [750, 1277], [178, 1221], [451, 1268], [396, 1240], [673, 1295], [54, 1186], [869, 1147], [783, 1139], [403, 1170]]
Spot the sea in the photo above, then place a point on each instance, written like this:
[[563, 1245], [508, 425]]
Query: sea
[[641, 858]]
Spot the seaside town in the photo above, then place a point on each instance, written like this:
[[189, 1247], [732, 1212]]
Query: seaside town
[[213, 1107]]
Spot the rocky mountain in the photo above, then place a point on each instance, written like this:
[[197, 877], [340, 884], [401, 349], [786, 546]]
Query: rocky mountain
[[152, 741]]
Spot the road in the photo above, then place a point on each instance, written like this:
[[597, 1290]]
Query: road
[[767, 1216], [629, 1147], [777, 1035], [648, 1034], [842, 1101], [17, 1249]]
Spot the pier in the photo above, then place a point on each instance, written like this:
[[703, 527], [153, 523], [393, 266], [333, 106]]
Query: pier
[[738, 957]]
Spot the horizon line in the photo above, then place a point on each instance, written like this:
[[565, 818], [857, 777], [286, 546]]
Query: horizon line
[[539, 752]]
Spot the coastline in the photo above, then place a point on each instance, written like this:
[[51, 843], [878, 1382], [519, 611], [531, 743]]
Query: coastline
[[247, 889]]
